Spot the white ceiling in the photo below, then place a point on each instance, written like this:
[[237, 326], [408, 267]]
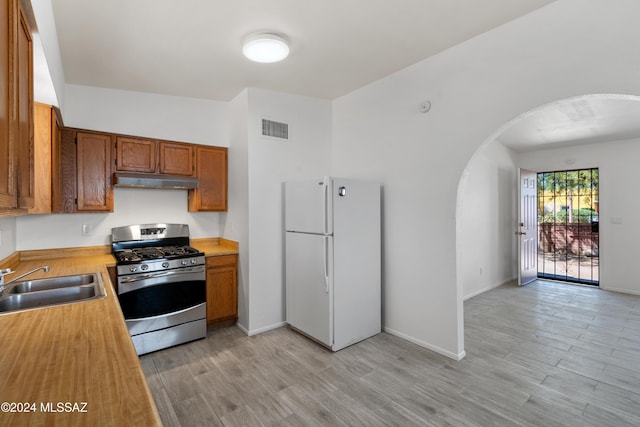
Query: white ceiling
[[585, 119], [192, 48]]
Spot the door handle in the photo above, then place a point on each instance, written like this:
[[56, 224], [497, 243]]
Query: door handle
[[325, 205], [520, 233], [326, 263], [198, 269]]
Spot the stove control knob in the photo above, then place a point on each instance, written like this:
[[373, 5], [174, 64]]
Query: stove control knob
[[193, 261], [183, 262], [133, 269], [144, 267], [165, 264]]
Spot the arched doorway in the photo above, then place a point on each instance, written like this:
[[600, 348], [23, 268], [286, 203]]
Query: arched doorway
[[585, 127]]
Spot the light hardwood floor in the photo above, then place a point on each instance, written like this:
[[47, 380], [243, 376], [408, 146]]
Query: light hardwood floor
[[547, 354]]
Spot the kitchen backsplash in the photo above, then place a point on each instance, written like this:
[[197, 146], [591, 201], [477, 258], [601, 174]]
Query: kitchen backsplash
[[132, 206]]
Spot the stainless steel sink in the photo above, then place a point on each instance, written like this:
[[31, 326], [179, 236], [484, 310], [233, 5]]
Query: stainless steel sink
[[52, 283], [52, 291]]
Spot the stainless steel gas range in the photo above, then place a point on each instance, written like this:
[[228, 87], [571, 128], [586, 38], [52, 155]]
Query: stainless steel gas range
[[161, 285]]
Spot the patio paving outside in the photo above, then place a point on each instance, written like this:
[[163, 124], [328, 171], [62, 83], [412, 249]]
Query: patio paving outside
[[570, 267]]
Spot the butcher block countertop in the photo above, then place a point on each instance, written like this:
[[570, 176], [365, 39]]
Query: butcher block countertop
[[75, 364], [215, 246]]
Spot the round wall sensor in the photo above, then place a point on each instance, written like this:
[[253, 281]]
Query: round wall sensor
[[425, 107]]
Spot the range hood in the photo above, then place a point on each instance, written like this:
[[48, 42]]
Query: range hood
[[148, 180]]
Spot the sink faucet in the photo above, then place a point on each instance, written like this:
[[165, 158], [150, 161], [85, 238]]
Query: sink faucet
[[8, 271]]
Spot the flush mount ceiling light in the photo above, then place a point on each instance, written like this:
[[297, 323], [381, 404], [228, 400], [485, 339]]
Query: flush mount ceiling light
[[265, 48]]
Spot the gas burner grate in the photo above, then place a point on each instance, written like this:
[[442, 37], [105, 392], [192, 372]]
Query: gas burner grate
[[178, 251], [163, 252]]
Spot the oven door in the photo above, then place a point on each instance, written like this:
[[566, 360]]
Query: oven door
[[163, 299]]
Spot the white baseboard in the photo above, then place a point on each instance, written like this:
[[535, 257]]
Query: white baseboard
[[242, 328], [253, 332], [622, 291], [426, 345], [488, 288]]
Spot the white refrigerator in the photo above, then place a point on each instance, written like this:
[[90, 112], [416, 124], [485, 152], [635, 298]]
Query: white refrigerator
[[333, 260]]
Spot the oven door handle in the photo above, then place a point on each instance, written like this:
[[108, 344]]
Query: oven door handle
[[140, 277], [165, 315]]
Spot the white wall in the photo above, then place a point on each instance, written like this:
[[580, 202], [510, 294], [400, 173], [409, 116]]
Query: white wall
[[569, 48], [43, 89], [7, 237], [235, 221], [258, 166], [486, 220], [50, 59], [132, 206], [271, 161], [618, 198], [175, 118]]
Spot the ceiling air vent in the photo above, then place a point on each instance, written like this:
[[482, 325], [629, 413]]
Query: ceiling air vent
[[275, 129]]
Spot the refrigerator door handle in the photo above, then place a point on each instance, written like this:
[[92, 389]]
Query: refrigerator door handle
[[325, 204], [326, 263]]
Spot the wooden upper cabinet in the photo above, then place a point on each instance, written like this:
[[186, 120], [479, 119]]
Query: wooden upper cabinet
[[211, 171], [8, 159], [24, 109], [56, 160], [44, 134], [94, 191], [135, 154], [150, 156], [176, 158], [83, 163], [16, 108], [64, 175]]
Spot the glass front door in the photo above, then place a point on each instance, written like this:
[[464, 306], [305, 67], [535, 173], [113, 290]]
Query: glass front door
[[568, 226]]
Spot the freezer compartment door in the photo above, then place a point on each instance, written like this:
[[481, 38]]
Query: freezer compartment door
[[308, 206], [309, 285]]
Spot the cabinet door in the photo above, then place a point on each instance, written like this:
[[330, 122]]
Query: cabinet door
[[95, 192], [25, 113], [222, 288], [56, 163], [64, 172], [135, 155], [211, 170], [43, 120], [176, 159], [8, 196]]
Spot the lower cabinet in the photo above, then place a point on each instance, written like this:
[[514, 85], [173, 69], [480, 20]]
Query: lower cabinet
[[222, 289]]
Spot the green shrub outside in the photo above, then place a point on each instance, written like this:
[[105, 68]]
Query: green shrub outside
[[582, 215]]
